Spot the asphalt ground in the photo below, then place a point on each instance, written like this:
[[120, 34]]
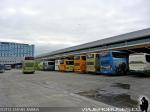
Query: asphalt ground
[[62, 89]]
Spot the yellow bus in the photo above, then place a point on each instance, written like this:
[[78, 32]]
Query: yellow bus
[[69, 62], [66, 64], [80, 63], [62, 65], [92, 62]]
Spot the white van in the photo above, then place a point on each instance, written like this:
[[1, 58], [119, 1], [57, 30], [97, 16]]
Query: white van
[[57, 63], [139, 62]]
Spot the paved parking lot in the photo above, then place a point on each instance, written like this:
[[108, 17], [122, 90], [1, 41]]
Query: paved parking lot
[[56, 89]]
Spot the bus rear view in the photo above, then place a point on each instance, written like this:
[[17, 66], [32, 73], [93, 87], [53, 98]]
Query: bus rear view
[[69, 64], [114, 62], [62, 66], [139, 62], [92, 62], [28, 65], [80, 63]]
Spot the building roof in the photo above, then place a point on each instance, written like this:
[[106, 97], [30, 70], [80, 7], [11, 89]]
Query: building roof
[[110, 40]]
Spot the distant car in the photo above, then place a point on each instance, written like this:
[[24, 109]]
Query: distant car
[[7, 67], [2, 68]]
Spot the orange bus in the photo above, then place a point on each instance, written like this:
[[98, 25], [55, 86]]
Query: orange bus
[[62, 65], [80, 63]]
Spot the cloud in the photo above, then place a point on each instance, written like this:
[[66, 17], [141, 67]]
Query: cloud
[[56, 24]]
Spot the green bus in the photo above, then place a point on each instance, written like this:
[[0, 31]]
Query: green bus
[[28, 65]]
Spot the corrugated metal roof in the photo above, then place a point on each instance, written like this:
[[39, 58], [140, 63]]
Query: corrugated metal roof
[[114, 39]]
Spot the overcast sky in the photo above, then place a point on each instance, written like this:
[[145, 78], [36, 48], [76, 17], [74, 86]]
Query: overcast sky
[[56, 24]]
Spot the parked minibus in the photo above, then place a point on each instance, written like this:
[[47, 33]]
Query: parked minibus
[[114, 62], [92, 62], [140, 62], [48, 65], [80, 63]]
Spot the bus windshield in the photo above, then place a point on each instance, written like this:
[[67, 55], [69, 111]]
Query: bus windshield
[[119, 55], [70, 62], [50, 63], [28, 64], [136, 62], [83, 57], [148, 58], [77, 57], [69, 58], [90, 63], [90, 56], [61, 61]]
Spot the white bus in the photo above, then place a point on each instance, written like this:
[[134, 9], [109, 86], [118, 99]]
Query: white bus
[[57, 63], [139, 62], [46, 65]]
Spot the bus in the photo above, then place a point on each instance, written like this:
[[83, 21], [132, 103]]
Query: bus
[[114, 62], [67, 64], [28, 65], [92, 62], [139, 62], [2, 68], [80, 63], [62, 65], [57, 63], [47, 65]]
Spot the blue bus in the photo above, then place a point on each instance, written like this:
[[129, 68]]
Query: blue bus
[[114, 62]]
